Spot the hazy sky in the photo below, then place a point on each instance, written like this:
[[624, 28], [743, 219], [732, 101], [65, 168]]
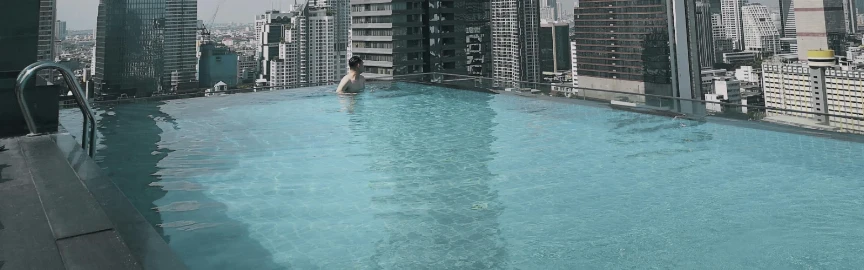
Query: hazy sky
[[81, 14]]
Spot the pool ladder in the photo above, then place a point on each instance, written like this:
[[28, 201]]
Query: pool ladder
[[88, 139]]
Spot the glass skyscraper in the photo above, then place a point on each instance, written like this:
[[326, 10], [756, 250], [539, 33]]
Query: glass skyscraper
[[135, 38], [628, 46]]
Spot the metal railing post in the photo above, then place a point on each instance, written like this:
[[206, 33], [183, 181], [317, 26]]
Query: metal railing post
[[69, 77]]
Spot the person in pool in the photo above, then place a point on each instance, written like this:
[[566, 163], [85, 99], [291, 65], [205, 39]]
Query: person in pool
[[353, 82]]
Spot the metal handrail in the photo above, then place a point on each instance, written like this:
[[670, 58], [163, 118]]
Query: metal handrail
[[68, 76], [635, 94]]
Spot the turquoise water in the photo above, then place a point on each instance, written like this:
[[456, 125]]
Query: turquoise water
[[423, 177]]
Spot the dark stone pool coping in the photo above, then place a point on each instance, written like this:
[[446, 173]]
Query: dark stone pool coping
[[59, 211], [145, 244]]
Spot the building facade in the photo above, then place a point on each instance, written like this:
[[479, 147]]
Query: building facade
[[399, 37], [60, 30], [181, 26], [621, 50], [129, 47], [850, 16], [789, 87], [217, 64], [787, 19], [306, 48], [342, 22], [733, 21], [549, 10], [554, 47], [574, 73], [247, 68], [760, 33], [270, 30], [739, 57], [726, 90], [515, 40], [820, 24], [47, 36], [705, 34]]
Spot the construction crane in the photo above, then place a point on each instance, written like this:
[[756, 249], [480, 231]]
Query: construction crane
[[204, 31]]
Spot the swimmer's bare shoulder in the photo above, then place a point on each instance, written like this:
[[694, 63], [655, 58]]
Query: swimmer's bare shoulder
[[344, 85]]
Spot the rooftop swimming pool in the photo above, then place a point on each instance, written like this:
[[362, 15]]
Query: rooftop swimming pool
[[414, 176]]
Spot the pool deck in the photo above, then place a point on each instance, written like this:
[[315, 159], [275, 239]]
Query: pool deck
[[58, 211]]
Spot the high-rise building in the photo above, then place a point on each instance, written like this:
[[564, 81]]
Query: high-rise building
[[47, 36], [413, 36], [307, 45], [60, 30], [760, 33], [515, 44], [554, 46], [270, 31], [146, 46], [732, 21], [573, 63], [821, 25], [549, 10], [317, 30], [705, 34], [722, 44], [342, 19], [850, 15], [717, 29], [181, 28], [129, 47], [787, 19], [622, 50]]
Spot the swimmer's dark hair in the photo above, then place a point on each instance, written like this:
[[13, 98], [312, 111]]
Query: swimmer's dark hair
[[354, 62]]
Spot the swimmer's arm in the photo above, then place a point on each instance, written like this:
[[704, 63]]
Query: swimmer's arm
[[342, 86]]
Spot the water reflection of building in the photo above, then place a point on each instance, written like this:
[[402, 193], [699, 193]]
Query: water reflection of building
[[441, 212]]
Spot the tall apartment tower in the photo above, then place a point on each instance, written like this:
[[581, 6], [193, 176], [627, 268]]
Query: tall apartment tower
[[820, 24], [270, 30], [549, 10], [732, 21], [787, 19], [317, 25], [341, 12], [399, 37], [515, 40], [60, 30], [47, 19], [306, 54], [717, 29], [705, 34], [760, 33], [722, 44], [181, 25]]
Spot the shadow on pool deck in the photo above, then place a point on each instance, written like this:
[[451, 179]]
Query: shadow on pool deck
[[129, 139]]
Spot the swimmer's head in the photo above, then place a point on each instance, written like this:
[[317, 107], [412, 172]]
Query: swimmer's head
[[356, 64]]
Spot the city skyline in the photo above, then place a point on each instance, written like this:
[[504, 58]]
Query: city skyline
[[81, 14]]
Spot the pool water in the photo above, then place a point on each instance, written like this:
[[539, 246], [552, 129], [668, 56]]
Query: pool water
[[424, 177]]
